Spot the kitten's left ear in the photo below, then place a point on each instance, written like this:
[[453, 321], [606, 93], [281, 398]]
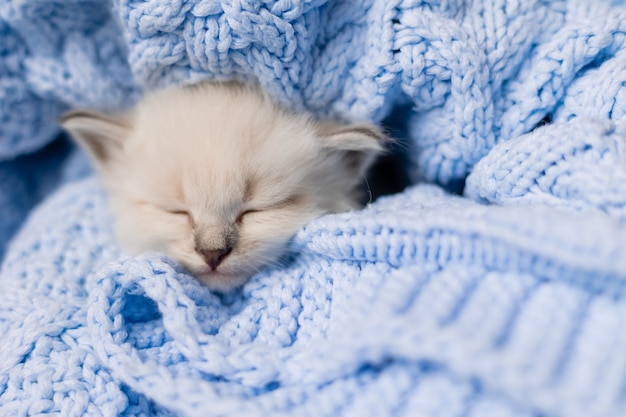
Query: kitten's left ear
[[358, 144], [102, 136]]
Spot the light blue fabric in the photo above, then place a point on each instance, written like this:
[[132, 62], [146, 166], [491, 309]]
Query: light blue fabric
[[508, 300]]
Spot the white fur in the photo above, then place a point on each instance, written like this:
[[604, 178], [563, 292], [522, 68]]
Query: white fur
[[220, 164]]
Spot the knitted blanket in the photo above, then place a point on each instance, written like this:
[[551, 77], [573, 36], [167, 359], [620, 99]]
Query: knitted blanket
[[508, 299]]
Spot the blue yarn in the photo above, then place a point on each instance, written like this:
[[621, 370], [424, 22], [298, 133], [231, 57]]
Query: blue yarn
[[55, 55], [508, 300], [26, 180]]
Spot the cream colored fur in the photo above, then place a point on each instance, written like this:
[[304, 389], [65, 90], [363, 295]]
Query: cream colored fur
[[218, 166]]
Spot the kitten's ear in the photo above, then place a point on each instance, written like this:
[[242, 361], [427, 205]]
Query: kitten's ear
[[358, 144], [100, 135]]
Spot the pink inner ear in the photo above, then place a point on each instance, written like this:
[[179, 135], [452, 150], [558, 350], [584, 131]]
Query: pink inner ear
[[100, 135]]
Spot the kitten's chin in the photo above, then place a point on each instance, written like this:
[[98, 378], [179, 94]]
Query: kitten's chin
[[222, 282]]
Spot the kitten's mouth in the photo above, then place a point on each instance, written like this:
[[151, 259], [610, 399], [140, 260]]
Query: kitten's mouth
[[220, 280], [209, 271], [233, 272], [223, 278]]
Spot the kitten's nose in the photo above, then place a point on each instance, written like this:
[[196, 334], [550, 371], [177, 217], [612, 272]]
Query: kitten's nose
[[214, 257]]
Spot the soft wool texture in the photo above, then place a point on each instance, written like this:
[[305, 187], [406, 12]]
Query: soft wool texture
[[506, 301]]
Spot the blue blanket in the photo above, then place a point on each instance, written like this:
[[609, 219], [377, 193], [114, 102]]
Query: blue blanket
[[506, 300]]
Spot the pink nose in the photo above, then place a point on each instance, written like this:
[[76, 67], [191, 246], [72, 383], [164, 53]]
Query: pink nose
[[214, 257]]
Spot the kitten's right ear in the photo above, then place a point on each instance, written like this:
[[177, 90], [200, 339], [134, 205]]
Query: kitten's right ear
[[100, 135]]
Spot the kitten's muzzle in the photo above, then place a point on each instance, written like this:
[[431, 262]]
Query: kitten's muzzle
[[214, 257]]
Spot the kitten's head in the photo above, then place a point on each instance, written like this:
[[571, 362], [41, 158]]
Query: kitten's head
[[220, 178]]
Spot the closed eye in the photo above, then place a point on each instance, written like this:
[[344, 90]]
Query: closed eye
[[174, 211], [245, 213], [183, 213], [281, 204], [178, 212]]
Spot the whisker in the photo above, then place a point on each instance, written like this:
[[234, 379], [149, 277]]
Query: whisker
[[369, 190]]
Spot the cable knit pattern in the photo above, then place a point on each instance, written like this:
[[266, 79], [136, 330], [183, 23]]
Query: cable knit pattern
[[507, 300]]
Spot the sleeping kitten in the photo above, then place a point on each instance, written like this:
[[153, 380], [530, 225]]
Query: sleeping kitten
[[220, 178]]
